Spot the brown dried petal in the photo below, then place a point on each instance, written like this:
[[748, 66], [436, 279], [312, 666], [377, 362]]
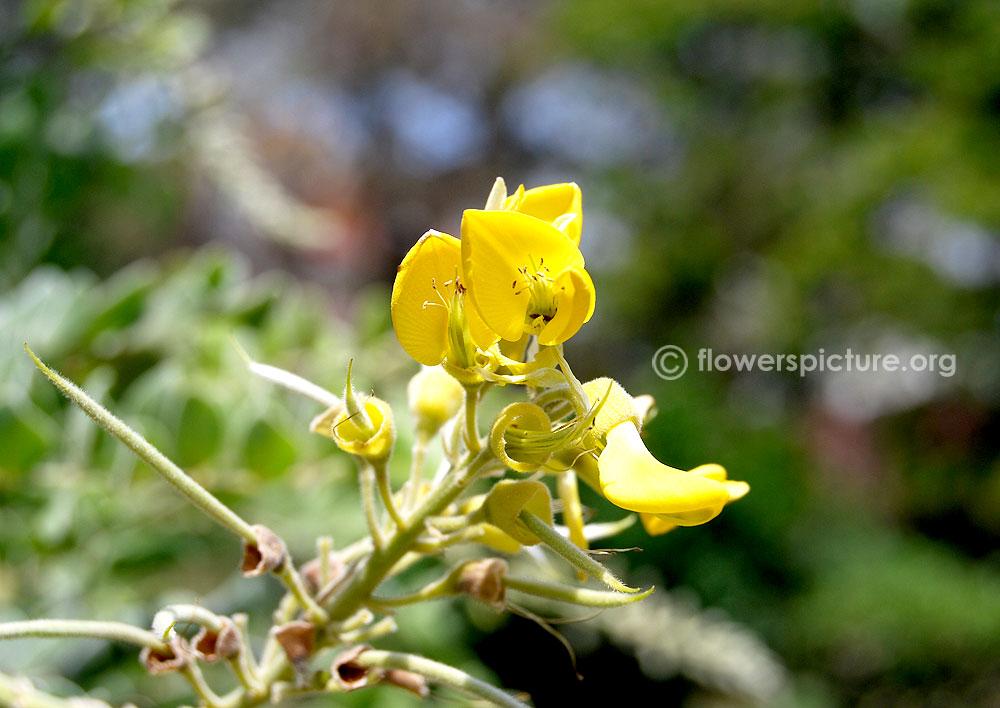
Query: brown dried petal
[[414, 683], [230, 641], [211, 646], [175, 658], [483, 581], [297, 638], [310, 572], [204, 645], [266, 555], [351, 676]]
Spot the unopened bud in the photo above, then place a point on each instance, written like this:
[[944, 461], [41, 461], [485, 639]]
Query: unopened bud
[[507, 499], [435, 397], [353, 438]]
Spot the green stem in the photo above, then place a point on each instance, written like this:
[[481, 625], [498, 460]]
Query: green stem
[[198, 495], [351, 595], [324, 546], [471, 432], [385, 491], [580, 560], [366, 481], [208, 697], [83, 629], [442, 587], [575, 595], [438, 673], [243, 663], [293, 581], [416, 468], [194, 614]]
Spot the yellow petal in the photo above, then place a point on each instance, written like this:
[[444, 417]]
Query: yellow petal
[[495, 245], [736, 490], [552, 201], [506, 500], [576, 305], [633, 479], [656, 525], [419, 315]]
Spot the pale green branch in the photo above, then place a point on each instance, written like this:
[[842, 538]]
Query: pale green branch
[[440, 674], [197, 494], [82, 629]]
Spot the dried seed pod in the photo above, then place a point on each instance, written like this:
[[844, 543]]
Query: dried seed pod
[[310, 572], [174, 659], [230, 642], [265, 556], [350, 675], [210, 646], [483, 581], [297, 638]]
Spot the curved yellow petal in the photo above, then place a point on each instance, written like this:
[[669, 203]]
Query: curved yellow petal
[[550, 202], [633, 479], [576, 305], [656, 525], [419, 294], [496, 245]]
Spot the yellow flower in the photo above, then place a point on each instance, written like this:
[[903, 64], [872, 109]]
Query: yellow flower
[[630, 477], [429, 312], [558, 204], [525, 276]]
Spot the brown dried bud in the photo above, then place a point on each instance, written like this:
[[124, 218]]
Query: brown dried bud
[[350, 675], [297, 638], [414, 683], [483, 581], [175, 658], [310, 572], [211, 646], [267, 555]]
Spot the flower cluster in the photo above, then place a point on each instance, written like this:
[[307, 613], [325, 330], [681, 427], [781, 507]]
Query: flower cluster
[[494, 308], [490, 309]]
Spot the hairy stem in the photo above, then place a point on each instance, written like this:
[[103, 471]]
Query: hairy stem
[[580, 560], [438, 673], [197, 494], [82, 629]]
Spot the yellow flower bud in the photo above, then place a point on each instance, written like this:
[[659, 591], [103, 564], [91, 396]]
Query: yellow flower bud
[[435, 397], [351, 438], [508, 498]]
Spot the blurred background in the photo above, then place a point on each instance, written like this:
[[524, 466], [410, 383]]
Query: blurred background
[[758, 177]]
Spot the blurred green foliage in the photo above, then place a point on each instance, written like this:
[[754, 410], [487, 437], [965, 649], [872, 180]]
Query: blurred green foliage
[[830, 151]]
